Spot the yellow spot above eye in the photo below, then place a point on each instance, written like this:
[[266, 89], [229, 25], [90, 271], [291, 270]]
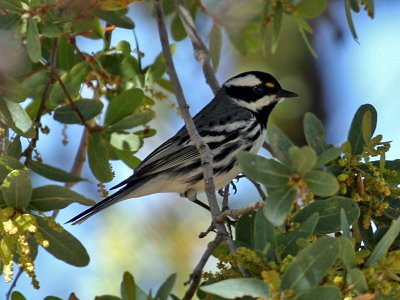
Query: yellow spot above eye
[[270, 85]]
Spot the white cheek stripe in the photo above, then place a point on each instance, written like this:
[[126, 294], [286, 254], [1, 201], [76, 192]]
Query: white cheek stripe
[[248, 80], [256, 105]]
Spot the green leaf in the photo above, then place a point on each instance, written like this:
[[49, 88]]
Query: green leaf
[[347, 5], [238, 287], [65, 54], [98, 157], [132, 121], [126, 141], [346, 252], [72, 80], [278, 205], [51, 197], [289, 242], [127, 157], [16, 118], [308, 44], [384, 244], [267, 171], [321, 292], [327, 156], [107, 297], [244, 228], [215, 45], [264, 236], [14, 148], [311, 8], [329, 213], [115, 18], [310, 265], [356, 280], [124, 105], [13, 6], [166, 288], [321, 183], [63, 245], [17, 296], [303, 24], [344, 224], [12, 90], [277, 25], [280, 143], [33, 42], [8, 164], [314, 133], [17, 189], [362, 127], [128, 287], [67, 114], [53, 173], [303, 159], [177, 29]]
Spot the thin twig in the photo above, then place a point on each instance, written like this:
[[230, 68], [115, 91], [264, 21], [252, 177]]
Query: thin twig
[[258, 188], [236, 213], [14, 283], [71, 101], [195, 277], [201, 52], [225, 200], [46, 91]]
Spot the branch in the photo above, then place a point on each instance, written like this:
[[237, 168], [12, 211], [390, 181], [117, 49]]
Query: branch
[[14, 283], [236, 213], [46, 91], [195, 277], [201, 52], [203, 149]]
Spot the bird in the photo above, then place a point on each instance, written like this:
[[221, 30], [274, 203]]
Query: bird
[[234, 120]]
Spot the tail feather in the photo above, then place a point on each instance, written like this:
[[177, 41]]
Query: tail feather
[[110, 200]]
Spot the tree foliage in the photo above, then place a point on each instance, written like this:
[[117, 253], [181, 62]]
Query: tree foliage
[[330, 224]]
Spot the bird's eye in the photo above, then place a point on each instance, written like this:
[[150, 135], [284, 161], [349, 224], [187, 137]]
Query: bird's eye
[[258, 89]]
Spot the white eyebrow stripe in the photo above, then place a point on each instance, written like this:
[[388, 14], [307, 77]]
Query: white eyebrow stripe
[[248, 80]]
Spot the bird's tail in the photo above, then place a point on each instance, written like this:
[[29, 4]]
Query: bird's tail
[[110, 200]]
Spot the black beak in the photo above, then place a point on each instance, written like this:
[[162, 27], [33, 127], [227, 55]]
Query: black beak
[[286, 94]]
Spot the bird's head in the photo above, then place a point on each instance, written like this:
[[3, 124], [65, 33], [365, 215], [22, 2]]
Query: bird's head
[[255, 90]]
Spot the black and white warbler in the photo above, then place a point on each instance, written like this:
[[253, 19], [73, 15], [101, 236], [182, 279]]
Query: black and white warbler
[[235, 120]]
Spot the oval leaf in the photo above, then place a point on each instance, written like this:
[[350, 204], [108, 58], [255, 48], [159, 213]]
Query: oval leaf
[[125, 141], [53, 173], [278, 205], [33, 42], [128, 287], [16, 118], [98, 157], [238, 287], [362, 127], [215, 45], [88, 109], [329, 213], [63, 245], [124, 105], [166, 288], [311, 8], [314, 133], [51, 197], [321, 292], [115, 18], [327, 156], [303, 159], [72, 80], [132, 121], [267, 171], [17, 189], [356, 280], [321, 183], [280, 143], [384, 244], [264, 236], [310, 265]]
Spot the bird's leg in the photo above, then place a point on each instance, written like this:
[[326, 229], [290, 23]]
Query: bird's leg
[[192, 196]]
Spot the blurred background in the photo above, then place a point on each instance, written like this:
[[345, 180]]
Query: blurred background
[[159, 234]]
